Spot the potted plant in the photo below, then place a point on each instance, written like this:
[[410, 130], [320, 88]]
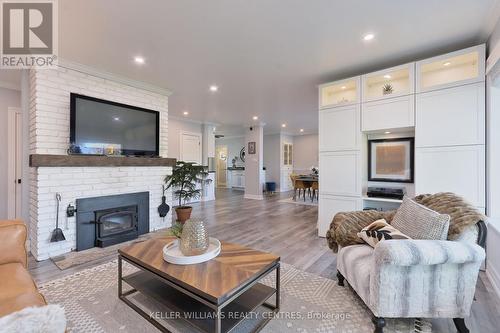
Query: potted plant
[[183, 180]]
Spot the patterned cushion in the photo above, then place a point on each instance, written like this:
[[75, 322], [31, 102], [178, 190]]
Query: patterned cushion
[[420, 222], [379, 231]]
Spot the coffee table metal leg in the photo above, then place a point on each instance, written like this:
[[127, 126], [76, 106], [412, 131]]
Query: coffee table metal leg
[[120, 276], [278, 283], [218, 323]]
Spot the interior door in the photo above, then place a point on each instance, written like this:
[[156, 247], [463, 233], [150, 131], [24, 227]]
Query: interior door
[[191, 147], [221, 167], [15, 159]]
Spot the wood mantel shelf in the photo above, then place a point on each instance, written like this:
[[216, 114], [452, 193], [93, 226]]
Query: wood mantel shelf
[[43, 160]]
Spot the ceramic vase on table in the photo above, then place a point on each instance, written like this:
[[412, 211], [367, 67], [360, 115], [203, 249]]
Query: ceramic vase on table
[[194, 238]]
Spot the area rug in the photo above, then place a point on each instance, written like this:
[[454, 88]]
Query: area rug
[[74, 258], [309, 303], [300, 201]]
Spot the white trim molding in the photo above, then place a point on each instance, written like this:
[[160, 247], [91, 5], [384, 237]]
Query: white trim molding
[[112, 77], [10, 85], [254, 196]]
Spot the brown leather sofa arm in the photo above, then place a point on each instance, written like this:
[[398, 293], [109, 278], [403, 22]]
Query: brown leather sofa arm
[[13, 242]]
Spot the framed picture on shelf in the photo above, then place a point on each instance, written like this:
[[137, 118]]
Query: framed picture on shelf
[[391, 160]]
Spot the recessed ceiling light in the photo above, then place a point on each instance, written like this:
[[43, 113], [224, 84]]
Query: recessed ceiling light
[[301, 130], [139, 60], [387, 132], [255, 117], [283, 125], [116, 118], [387, 76], [214, 88], [368, 37], [343, 87], [447, 63], [185, 113]]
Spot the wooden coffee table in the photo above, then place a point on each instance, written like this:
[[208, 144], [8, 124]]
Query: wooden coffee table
[[222, 289]]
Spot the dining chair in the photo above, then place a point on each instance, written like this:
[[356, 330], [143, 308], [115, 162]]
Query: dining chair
[[297, 185], [315, 190]]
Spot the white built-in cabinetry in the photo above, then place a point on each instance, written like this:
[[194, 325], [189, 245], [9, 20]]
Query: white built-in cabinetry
[[441, 100], [339, 150], [450, 125]]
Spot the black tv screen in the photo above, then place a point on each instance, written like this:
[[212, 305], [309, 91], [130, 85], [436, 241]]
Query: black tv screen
[[104, 127]]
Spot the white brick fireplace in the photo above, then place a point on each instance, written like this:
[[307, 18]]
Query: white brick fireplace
[[49, 134]]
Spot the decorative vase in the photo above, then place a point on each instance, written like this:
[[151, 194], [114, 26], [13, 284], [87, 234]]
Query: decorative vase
[[183, 213], [163, 208], [194, 238]]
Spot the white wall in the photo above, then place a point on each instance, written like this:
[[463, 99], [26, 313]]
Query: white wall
[[8, 98], [234, 145], [305, 153], [254, 163], [272, 144], [175, 127]]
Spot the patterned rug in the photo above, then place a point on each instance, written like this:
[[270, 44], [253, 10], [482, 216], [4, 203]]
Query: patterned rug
[[309, 303]]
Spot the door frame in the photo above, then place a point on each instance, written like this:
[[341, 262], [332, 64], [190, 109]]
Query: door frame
[[14, 146], [181, 148]]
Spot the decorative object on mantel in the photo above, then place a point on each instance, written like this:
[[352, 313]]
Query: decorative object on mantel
[[391, 160], [184, 177], [74, 149], [57, 234], [172, 253], [387, 89], [163, 208], [194, 238], [315, 171]]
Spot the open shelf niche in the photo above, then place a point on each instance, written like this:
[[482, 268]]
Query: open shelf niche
[[382, 204]]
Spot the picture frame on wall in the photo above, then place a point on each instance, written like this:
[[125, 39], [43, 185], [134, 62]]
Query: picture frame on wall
[[391, 160], [251, 147]]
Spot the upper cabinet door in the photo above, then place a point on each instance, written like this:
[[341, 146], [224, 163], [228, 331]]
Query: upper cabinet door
[[388, 83], [451, 117], [339, 128], [452, 69], [345, 92]]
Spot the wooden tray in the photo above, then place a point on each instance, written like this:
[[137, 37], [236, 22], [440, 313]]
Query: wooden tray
[[172, 253]]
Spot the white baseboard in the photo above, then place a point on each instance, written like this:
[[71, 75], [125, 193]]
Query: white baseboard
[[254, 196]]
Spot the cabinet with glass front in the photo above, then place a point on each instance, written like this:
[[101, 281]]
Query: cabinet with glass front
[[388, 83], [339, 93], [452, 69]]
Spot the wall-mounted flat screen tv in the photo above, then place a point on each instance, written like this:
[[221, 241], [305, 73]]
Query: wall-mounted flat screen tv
[[103, 127]]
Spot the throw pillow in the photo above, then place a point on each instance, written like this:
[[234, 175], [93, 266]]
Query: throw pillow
[[379, 231], [420, 222]]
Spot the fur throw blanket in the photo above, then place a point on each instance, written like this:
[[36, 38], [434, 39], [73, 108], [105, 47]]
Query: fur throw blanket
[[345, 226], [43, 319]]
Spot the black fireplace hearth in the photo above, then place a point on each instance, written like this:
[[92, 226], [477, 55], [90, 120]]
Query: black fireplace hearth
[[109, 220]]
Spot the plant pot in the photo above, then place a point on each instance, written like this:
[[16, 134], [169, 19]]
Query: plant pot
[[183, 213]]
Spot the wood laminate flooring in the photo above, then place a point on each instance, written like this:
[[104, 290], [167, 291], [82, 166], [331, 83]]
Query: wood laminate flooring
[[287, 230]]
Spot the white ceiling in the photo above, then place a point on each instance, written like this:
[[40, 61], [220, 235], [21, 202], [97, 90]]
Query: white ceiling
[[266, 56]]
